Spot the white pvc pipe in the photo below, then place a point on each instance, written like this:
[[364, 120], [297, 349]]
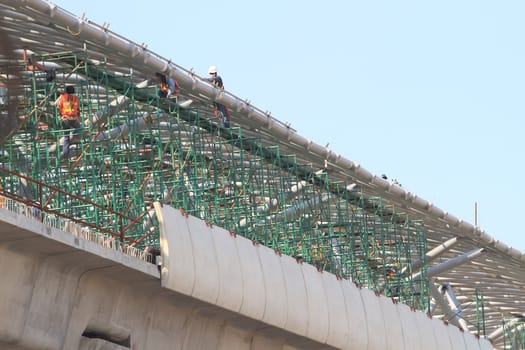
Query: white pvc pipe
[[299, 209], [432, 254], [454, 262], [455, 305], [274, 202], [445, 307]]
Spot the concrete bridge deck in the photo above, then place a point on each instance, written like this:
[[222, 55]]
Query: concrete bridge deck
[[497, 273], [59, 291], [63, 291]]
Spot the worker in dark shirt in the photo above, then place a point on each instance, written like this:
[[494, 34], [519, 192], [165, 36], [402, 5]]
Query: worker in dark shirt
[[220, 110]]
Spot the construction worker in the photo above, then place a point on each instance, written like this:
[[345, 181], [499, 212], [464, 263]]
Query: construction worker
[[3, 94], [69, 111], [220, 110], [50, 73], [2, 198], [168, 87]]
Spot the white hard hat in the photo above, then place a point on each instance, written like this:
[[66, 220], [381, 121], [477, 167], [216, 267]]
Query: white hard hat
[[212, 69]]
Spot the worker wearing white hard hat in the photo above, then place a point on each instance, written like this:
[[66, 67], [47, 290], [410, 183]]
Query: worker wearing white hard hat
[[220, 110]]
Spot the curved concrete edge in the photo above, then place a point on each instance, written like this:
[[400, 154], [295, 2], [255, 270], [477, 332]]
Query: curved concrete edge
[[441, 336], [296, 296], [231, 287], [338, 323], [356, 315], [377, 336], [275, 312], [253, 305], [318, 322], [393, 327], [183, 271], [484, 344], [456, 338], [207, 279], [239, 275], [471, 342], [425, 331], [411, 338]]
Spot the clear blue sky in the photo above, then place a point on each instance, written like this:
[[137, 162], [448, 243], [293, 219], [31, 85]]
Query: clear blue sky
[[429, 93]]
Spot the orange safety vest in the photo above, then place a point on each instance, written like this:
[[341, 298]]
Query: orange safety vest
[[2, 198], [164, 88], [164, 85], [69, 106]]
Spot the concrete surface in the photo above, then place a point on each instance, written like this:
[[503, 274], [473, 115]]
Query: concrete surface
[[58, 291], [217, 291], [213, 265]]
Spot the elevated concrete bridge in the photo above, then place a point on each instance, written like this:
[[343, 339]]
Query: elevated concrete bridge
[[210, 290], [78, 269], [61, 291]]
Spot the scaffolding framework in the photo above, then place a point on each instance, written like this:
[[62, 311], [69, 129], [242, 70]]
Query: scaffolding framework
[[514, 333], [135, 149]]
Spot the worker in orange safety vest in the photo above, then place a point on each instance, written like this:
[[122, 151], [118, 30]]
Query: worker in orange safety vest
[[69, 111]]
